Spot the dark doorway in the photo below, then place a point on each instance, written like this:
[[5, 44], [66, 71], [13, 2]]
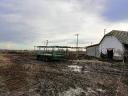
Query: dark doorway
[[110, 54]]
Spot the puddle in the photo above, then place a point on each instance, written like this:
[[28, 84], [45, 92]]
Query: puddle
[[78, 92], [75, 68], [90, 90], [73, 92], [101, 90], [86, 71]]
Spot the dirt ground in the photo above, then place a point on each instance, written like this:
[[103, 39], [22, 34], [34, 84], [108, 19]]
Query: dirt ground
[[22, 75]]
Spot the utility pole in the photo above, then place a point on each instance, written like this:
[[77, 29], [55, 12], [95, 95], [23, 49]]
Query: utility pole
[[34, 48], [91, 43], [77, 49], [104, 31], [46, 44]]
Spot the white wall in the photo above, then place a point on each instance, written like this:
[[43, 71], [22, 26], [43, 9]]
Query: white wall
[[111, 42]]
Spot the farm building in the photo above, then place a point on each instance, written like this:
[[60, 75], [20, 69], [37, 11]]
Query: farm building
[[113, 45], [93, 50]]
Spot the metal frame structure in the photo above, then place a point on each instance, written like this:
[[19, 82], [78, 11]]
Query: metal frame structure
[[53, 53]]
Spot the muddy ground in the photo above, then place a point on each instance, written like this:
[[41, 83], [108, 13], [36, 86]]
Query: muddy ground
[[23, 75]]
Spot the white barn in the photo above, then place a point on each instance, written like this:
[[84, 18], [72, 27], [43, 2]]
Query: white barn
[[113, 45]]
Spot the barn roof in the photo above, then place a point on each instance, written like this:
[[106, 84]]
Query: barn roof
[[122, 36], [92, 45], [59, 47]]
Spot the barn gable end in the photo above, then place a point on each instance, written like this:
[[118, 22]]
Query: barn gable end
[[112, 45]]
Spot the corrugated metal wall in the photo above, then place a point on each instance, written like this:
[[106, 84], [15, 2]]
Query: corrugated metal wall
[[93, 51]]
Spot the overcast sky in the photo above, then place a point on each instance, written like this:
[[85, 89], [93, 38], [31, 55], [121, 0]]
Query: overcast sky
[[25, 23]]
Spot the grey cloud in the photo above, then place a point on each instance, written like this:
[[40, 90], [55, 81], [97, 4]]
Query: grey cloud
[[28, 20]]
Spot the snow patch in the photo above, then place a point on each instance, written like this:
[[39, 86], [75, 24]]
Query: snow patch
[[72, 92], [75, 68]]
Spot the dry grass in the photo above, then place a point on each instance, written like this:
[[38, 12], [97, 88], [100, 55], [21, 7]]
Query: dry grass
[[23, 76]]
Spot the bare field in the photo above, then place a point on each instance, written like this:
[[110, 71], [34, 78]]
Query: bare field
[[22, 75]]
